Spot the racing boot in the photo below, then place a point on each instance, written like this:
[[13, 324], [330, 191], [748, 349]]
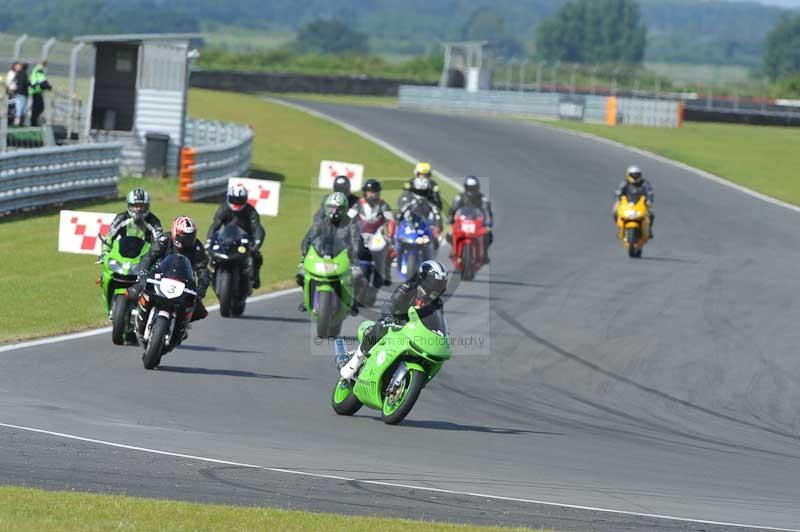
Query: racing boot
[[350, 369]]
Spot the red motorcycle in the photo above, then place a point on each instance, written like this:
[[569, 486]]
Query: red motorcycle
[[468, 232]]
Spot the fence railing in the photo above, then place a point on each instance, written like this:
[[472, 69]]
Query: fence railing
[[214, 152], [52, 176], [587, 108]]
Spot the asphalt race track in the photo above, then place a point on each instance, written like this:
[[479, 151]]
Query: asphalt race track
[[665, 386]]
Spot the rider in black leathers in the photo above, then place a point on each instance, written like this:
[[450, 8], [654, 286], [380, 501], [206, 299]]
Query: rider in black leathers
[[236, 209], [473, 197], [136, 221], [337, 223], [181, 240], [423, 291], [635, 185]]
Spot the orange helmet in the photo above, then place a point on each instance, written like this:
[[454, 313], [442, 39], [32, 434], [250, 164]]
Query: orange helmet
[[184, 233]]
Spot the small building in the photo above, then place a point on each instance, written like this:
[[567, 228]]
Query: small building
[[137, 96], [467, 66]]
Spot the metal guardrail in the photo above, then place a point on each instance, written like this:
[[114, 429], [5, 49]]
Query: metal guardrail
[[214, 152], [586, 108], [52, 176]]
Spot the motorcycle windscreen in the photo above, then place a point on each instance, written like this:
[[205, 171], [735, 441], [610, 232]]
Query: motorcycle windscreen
[[178, 267], [327, 245], [230, 234], [470, 213], [130, 246], [433, 320]]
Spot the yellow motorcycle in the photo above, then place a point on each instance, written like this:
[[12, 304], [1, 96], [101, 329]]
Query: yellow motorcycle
[[633, 224]]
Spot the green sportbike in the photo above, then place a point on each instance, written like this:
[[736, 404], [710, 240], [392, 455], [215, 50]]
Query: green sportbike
[[398, 366], [120, 268], [328, 284]]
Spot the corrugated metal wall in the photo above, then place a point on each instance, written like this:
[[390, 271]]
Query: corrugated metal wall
[[161, 111], [160, 104]]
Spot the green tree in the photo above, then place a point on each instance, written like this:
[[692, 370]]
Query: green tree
[[782, 51], [593, 31], [486, 25], [331, 36]]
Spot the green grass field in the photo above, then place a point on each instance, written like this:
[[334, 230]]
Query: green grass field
[[758, 157], [47, 292], [32, 510]]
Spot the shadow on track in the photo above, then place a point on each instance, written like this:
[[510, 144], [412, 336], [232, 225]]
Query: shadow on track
[[213, 349], [274, 318], [447, 425], [228, 373], [670, 259], [509, 283]]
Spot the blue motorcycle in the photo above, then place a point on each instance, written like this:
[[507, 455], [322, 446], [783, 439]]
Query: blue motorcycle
[[414, 244]]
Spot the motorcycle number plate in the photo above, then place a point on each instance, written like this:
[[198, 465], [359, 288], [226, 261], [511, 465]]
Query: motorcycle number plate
[[468, 227], [172, 288]]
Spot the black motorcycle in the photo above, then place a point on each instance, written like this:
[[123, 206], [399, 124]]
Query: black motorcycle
[[165, 308], [230, 251]]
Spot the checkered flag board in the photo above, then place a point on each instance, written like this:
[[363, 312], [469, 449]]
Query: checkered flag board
[[261, 194], [79, 232]]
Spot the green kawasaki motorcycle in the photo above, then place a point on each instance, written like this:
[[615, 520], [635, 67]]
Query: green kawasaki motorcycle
[[406, 359], [120, 268], [328, 284]]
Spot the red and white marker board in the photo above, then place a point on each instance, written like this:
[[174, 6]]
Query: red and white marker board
[[261, 194], [329, 170], [79, 231]]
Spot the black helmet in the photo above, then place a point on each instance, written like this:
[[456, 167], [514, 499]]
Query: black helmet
[[342, 184], [472, 185], [432, 277], [633, 175], [372, 191], [138, 201]]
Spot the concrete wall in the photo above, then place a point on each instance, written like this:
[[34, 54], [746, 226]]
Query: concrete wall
[[287, 82]]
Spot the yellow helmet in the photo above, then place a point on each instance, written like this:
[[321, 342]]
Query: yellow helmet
[[422, 169]]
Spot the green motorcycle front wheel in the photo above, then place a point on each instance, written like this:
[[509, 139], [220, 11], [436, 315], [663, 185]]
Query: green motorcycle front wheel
[[398, 404], [344, 401], [119, 319]]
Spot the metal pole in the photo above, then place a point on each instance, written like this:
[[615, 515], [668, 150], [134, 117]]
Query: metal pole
[[508, 74], [3, 122], [736, 99], [523, 67], [593, 81], [539, 76], [763, 94], [46, 48], [554, 86], [73, 67], [18, 45], [709, 100], [658, 88], [572, 80]]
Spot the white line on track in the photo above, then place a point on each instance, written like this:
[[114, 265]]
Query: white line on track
[[683, 166], [274, 295], [387, 484], [361, 133], [103, 330]]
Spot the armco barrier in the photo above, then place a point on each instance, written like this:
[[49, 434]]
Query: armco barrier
[[52, 176], [209, 160], [588, 108]]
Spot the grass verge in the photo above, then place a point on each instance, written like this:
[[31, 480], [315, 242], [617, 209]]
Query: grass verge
[[46, 292], [762, 158], [25, 509]]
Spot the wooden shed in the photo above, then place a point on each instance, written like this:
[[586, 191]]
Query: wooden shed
[[138, 96]]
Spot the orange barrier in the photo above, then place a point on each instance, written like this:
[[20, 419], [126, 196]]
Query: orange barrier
[[611, 111], [681, 111], [188, 159]]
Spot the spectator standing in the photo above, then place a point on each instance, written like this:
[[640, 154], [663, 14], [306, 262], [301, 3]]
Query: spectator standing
[[39, 84], [21, 96], [11, 89]]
